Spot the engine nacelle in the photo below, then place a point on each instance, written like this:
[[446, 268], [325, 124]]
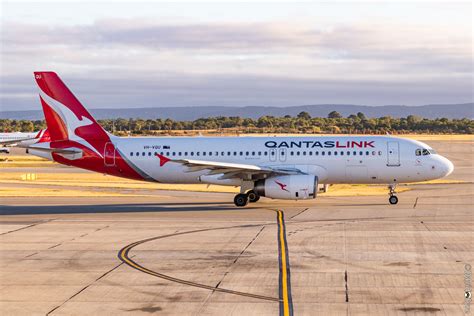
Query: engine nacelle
[[292, 187]]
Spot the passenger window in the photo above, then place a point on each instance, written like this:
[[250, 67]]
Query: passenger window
[[335, 153], [241, 153], [273, 153], [259, 153], [297, 153], [354, 153], [131, 154], [342, 153], [361, 153], [304, 153], [366, 153], [380, 153], [265, 153], [323, 153], [246, 153], [373, 153], [228, 153], [192, 153], [179, 153], [348, 153], [149, 154], [143, 153], [316, 153], [197, 153], [310, 153], [292, 153], [185, 153], [203, 153]]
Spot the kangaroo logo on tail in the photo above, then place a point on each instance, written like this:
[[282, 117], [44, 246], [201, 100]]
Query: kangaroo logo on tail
[[70, 120]]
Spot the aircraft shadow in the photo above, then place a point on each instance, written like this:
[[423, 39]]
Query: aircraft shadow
[[114, 208]]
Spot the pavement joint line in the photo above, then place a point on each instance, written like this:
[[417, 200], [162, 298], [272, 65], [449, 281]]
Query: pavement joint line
[[301, 212], [284, 280], [347, 289], [83, 289], [416, 202], [440, 240], [123, 255], [32, 225], [228, 269]]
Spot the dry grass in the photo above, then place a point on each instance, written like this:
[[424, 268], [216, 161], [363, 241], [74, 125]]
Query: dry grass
[[24, 161], [47, 192]]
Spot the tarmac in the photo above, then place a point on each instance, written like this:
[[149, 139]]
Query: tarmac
[[188, 253]]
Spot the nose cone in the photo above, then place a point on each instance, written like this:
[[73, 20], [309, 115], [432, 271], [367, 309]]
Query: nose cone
[[448, 167]]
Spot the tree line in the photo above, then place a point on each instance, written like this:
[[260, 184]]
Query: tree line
[[334, 123]]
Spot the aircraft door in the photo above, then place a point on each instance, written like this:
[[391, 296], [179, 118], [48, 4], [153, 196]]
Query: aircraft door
[[282, 154], [393, 154], [272, 155], [109, 155]]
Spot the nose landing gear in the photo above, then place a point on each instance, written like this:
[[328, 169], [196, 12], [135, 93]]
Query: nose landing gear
[[393, 198]]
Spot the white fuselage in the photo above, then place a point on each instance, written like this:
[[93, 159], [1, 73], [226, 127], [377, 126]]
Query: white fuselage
[[334, 159]]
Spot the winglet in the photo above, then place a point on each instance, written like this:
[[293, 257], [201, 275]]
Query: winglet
[[163, 159]]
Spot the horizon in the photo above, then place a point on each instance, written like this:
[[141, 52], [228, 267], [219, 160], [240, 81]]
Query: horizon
[[259, 106]]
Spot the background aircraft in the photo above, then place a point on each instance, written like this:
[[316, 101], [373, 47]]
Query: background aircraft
[[24, 139]]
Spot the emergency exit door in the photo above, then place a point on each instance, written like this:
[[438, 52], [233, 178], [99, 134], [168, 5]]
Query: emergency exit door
[[109, 155]]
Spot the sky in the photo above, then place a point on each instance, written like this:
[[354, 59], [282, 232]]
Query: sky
[[122, 54]]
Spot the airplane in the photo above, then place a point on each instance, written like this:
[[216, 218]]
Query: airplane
[[25, 139], [288, 168]]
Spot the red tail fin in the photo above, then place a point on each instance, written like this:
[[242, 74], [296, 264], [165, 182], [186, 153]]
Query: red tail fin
[[66, 117]]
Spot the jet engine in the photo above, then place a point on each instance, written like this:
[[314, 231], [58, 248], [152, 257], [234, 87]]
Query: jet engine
[[291, 187]]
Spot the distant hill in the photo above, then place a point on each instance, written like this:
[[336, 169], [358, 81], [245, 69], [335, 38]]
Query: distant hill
[[320, 110]]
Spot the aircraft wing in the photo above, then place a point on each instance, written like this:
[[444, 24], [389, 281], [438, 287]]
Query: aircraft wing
[[229, 170]]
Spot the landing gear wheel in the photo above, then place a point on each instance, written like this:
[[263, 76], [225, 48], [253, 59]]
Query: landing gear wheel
[[241, 200], [393, 199], [253, 197]]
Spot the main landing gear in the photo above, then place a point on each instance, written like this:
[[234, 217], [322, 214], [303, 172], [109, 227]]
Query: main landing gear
[[393, 198], [243, 199]]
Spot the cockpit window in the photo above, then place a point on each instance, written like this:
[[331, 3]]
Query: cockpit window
[[424, 152]]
